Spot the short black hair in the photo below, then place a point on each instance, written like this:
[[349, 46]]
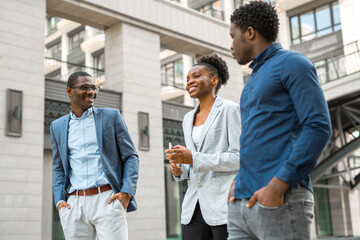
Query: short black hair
[[259, 15], [217, 66], [74, 77]]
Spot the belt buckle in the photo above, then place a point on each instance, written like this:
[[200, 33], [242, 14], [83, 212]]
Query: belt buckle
[[84, 191]]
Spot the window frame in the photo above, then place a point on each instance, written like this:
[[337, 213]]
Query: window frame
[[171, 70], [72, 34], [316, 30], [213, 10]]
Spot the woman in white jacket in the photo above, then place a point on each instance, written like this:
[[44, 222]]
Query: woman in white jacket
[[210, 160]]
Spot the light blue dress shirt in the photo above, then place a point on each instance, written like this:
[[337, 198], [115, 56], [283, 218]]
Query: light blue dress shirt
[[86, 170]]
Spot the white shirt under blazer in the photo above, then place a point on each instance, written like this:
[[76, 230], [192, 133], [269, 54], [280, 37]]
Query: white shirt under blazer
[[215, 163]]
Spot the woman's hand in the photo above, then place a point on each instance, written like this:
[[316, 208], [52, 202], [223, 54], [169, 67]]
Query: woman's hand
[[179, 155], [175, 169]]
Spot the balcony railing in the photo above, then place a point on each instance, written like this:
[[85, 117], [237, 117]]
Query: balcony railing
[[333, 68], [60, 70]]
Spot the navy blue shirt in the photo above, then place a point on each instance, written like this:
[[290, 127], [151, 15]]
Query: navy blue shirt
[[285, 121]]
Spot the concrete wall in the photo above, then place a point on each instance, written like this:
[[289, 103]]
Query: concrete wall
[[132, 66], [350, 19], [339, 210], [22, 25], [354, 201], [232, 90]]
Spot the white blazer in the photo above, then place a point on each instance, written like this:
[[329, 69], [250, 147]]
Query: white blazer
[[215, 164]]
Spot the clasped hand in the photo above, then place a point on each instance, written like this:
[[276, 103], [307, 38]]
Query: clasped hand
[[178, 155]]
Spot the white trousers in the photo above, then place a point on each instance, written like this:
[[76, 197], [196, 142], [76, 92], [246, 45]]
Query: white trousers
[[91, 216]]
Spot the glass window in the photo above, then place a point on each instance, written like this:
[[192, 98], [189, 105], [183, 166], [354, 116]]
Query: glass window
[[174, 191], [99, 61], [315, 23], [322, 211], [76, 39], [323, 18], [336, 15], [321, 71], [295, 27], [172, 74], [54, 51], [178, 69], [51, 24], [238, 3], [163, 75], [214, 9], [307, 22]]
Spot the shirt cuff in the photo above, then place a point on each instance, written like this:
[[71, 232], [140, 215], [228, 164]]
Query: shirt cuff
[[287, 176]]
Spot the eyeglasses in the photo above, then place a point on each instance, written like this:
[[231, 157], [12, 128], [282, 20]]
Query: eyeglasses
[[86, 88]]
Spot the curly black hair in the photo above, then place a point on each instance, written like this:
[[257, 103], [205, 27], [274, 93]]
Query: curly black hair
[[261, 16], [217, 66]]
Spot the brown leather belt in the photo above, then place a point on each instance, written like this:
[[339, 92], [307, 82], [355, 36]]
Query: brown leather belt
[[91, 191]]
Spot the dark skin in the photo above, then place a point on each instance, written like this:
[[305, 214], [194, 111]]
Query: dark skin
[[80, 102], [200, 84], [246, 45]]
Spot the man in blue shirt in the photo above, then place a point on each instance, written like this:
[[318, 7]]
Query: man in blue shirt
[[285, 127], [95, 166]]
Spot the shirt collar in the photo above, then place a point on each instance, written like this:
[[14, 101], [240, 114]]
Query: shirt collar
[[264, 55], [86, 114]]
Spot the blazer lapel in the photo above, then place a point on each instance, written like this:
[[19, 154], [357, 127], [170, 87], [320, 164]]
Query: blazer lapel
[[99, 128], [210, 119], [188, 125], [64, 142]]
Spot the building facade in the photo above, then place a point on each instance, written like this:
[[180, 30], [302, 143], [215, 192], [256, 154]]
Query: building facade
[[139, 52]]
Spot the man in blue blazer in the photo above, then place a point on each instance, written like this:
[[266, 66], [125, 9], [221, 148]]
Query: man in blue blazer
[[95, 166]]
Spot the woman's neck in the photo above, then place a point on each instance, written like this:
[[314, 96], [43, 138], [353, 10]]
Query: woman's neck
[[206, 103]]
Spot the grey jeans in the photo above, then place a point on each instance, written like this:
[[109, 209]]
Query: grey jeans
[[290, 221]]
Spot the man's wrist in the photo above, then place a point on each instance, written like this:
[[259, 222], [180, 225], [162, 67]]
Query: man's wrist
[[129, 195], [58, 203], [278, 186]]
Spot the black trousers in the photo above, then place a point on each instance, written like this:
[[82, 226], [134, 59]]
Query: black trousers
[[198, 229]]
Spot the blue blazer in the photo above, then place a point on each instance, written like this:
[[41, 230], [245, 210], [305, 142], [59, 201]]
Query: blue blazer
[[118, 155]]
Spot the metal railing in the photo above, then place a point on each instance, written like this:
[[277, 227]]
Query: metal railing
[[333, 68], [60, 70]]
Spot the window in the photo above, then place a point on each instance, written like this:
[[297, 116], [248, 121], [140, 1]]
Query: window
[[174, 191], [172, 74], [322, 211], [99, 61], [214, 9], [273, 2], [51, 24], [99, 67], [315, 23], [238, 3], [75, 40], [54, 51]]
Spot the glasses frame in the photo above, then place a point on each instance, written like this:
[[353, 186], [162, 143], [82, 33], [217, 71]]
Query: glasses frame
[[94, 88]]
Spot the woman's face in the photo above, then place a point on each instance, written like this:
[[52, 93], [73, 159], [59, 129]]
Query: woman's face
[[200, 82]]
